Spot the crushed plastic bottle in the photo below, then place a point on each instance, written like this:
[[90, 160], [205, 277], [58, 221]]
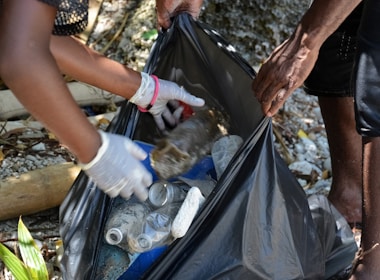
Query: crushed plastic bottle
[[154, 230], [188, 142], [122, 219], [223, 150]]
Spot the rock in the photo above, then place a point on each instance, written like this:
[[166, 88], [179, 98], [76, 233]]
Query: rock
[[254, 27]]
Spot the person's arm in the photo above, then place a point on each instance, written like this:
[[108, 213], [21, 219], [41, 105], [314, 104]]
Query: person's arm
[[290, 63], [30, 70], [86, 65], [166, 9]]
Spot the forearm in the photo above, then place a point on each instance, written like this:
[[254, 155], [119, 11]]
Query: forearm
[[290, 63], [321, 20], [48, 99], [84, 64]]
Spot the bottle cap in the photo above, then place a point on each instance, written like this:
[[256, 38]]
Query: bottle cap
[[114, 236], [144, 242]]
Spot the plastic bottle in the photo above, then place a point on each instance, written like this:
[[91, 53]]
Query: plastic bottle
[[140, 227], [223, 150], [162, 193], [154, 230], [122, 220]]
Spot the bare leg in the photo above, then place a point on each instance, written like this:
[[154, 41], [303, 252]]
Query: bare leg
[[369, 266], [346, 156]]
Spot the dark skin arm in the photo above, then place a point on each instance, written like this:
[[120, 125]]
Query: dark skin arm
[[290, 63], [32, 62], [30, 70], [86, 65]]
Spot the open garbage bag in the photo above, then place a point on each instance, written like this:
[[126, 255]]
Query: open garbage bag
[[256, 224]]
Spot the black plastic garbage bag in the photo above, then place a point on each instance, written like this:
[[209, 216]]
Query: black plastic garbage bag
[[256, 224], [339, 245]]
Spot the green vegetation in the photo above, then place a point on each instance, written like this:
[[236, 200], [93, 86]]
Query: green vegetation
[[32, 266]]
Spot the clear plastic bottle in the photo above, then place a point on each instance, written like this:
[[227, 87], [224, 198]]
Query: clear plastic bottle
[[162, 193], [223, 150], [139, 227], [154, 230], [122, 220]]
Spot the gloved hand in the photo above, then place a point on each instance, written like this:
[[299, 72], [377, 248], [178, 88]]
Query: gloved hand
[[116, 168], [154, 94]]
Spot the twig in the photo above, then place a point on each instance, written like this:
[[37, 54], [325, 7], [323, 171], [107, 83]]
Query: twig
[[9, 240], [3, 127], [288, 157], [359, 257], [117, 34]]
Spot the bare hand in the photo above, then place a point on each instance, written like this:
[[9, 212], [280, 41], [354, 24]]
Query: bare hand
[[285, 70], [166, 9]]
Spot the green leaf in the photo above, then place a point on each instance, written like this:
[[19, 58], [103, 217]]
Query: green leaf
[[14, 264], [30, 253], [150, 35]]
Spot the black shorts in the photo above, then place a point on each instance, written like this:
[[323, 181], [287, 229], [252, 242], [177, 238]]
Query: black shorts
[[367, 72], [332, 72], [72, 16]]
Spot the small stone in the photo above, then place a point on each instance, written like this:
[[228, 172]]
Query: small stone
[[39, 147]]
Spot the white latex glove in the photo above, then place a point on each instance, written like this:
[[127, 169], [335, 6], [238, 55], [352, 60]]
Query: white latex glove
[[167, 91], [117, 168]]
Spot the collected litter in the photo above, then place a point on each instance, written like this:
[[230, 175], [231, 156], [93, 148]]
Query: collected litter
[[255, 222], [189, 142], [171, 206]]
